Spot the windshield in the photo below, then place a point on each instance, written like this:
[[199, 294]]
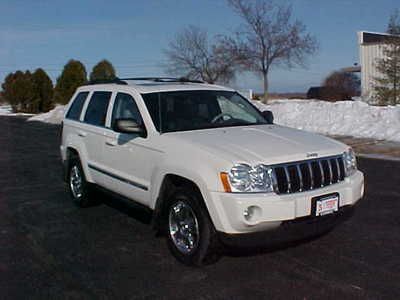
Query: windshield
[[191, 110]]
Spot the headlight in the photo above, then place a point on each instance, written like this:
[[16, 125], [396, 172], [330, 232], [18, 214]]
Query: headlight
[[244, 178], [350, 162]]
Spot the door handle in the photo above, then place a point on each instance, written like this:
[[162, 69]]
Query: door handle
[[82, 133], [111, 143]]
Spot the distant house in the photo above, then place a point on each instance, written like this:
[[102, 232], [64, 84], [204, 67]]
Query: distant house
[[371, 46], [315, 92]]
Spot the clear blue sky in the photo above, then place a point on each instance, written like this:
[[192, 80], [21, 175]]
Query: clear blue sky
[[131, 34]]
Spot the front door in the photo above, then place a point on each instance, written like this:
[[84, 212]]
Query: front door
[[129, 157]]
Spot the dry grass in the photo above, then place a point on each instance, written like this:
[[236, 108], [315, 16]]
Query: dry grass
[[274, 96]]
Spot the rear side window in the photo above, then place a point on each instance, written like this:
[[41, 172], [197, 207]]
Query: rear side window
[[96, 111], [76, 107]]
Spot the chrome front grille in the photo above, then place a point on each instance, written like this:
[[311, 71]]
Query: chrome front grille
[[308, 175]]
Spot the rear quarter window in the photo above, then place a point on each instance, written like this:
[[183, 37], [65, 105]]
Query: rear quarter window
[[77, 105]]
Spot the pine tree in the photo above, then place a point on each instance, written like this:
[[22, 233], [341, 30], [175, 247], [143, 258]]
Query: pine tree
[[387, 86], [103, 71], [43, 91], [8, 89], [18, 90], [394, 23], [72, 76]]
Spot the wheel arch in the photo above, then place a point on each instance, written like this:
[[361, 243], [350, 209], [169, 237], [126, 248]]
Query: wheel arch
[[74, 151], [169, 184]]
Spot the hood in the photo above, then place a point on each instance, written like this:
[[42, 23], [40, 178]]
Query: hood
[[269, 144]]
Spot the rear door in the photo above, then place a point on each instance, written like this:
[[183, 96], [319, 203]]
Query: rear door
[[94, 131], [72, 125]]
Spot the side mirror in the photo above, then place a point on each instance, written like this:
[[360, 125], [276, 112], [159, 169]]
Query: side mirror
[[128, 126], [268, 116]]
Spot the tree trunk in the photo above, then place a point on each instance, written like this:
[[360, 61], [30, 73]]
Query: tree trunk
[[266, 85]]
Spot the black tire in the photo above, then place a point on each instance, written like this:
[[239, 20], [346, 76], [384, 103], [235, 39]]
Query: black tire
[[83, 199], [207, 250]]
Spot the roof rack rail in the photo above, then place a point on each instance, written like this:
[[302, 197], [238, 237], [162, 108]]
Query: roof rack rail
[[116, 80], [163, 79]]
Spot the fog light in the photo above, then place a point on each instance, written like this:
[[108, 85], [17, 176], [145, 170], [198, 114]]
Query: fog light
[[252, 213], [248, 213]]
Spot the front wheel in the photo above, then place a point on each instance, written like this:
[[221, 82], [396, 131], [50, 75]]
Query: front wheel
[[78, 186], [191, 236]]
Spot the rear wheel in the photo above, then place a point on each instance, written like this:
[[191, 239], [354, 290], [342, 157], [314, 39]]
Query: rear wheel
[[191, 236], [78, 186]]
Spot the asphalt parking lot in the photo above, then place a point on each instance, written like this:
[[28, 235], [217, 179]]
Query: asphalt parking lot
[[51, 249]]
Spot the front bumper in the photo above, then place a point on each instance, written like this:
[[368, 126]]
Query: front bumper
[[271, 210], [288, 231]]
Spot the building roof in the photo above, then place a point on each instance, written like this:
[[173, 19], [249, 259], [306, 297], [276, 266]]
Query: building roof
[[352, 69], [367, 37]]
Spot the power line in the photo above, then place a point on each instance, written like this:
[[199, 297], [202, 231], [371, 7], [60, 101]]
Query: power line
[[117, 67], [137, 62]]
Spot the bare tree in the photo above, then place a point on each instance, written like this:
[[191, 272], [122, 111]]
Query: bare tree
[[269, 37], [191, 55], [340, 85]]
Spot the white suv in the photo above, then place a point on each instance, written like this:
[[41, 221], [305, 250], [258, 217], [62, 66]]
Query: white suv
[[211, 167]]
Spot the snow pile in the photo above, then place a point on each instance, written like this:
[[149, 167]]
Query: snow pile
[[6, 110], [349, 118], [54, 116]]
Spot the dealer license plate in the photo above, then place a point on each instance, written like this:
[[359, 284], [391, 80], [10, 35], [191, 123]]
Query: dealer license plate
[[325, 205]]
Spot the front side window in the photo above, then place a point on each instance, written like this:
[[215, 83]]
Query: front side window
[[125, 108], [191, 110], [96, 111], [76, 108], [233, 107], [152, 105]]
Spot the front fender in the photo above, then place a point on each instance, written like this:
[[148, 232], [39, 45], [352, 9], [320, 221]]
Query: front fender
[[195, 177]]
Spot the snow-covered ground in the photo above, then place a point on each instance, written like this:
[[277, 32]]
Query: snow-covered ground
[[54, 116], [348, 118]]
